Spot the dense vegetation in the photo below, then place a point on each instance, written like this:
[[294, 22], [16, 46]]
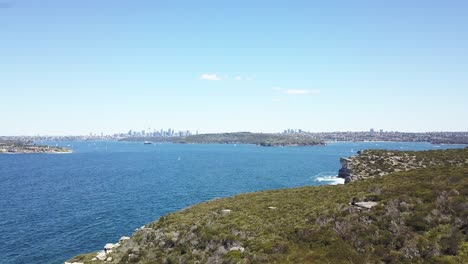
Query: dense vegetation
[[262, 139], [421, 216]]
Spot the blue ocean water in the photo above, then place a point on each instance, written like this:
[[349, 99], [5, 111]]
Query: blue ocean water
[[53, 207]]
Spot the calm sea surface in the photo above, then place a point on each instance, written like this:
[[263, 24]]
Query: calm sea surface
[[53, 207]]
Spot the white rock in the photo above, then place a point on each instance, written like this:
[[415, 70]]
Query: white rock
[[109, 246], [124, 238], [109, 259], [272, 207], [225, 211], [238, 248], [221, 250], [367, 205], [94, 259], [101, 255]]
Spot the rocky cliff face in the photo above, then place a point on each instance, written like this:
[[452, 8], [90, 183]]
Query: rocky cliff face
[[345, 172], [377, 163]]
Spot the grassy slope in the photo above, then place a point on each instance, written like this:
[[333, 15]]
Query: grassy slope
[[422, 216]]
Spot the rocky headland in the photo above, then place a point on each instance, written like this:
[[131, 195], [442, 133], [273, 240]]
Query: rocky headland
[[377, 163], [260, 139], [417, 213], [19, 147]]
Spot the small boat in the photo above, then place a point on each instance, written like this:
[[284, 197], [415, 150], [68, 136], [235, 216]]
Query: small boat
[[147, 143]]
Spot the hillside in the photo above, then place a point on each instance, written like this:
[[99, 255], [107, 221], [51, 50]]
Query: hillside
[[414, 216], [261, 139]]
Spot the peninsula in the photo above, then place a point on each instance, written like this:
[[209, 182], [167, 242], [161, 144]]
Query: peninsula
[[28, 147], [413, 213], [261, 139]]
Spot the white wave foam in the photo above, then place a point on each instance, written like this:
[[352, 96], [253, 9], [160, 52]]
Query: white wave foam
[[333, 180]]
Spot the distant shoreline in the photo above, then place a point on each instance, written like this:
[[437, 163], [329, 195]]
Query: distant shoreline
[[23, 153], [19, 147], [259, 139]]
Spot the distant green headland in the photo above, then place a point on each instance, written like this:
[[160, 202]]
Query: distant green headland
[[261, 139], [405, 207], [27, 147]]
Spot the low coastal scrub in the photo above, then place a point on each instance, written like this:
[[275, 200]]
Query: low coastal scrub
[[416, 216], [376, 163]]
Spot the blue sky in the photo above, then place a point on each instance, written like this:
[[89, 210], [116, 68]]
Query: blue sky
[[75, 67]]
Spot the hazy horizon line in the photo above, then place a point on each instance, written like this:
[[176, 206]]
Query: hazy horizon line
[[261, 132]]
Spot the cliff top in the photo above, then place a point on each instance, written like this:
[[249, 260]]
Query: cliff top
[[377, 163]]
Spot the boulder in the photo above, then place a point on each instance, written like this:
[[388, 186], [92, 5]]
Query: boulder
[[101, 255], [124, 238], [366, 205], [238, 248], [109, 246]]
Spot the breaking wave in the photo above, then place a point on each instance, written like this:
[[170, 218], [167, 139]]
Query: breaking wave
[[329, 179]]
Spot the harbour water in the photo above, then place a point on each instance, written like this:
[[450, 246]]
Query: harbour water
[[56, 206]]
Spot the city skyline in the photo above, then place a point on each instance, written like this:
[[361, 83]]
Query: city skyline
[[71, 68], [170, 132]]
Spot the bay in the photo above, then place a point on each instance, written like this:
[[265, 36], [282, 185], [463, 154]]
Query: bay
[[53, 207]]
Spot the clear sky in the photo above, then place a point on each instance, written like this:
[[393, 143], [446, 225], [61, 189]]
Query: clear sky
[[75, 67]]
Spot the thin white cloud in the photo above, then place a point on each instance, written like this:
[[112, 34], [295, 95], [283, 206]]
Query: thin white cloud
[[299, 91], [296, 91], [210, 77], [216, 77]]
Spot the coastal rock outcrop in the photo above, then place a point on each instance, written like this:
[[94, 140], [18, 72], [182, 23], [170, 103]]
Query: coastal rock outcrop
[[377, 163], [365, 205], [345, 172], [101, 255]]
